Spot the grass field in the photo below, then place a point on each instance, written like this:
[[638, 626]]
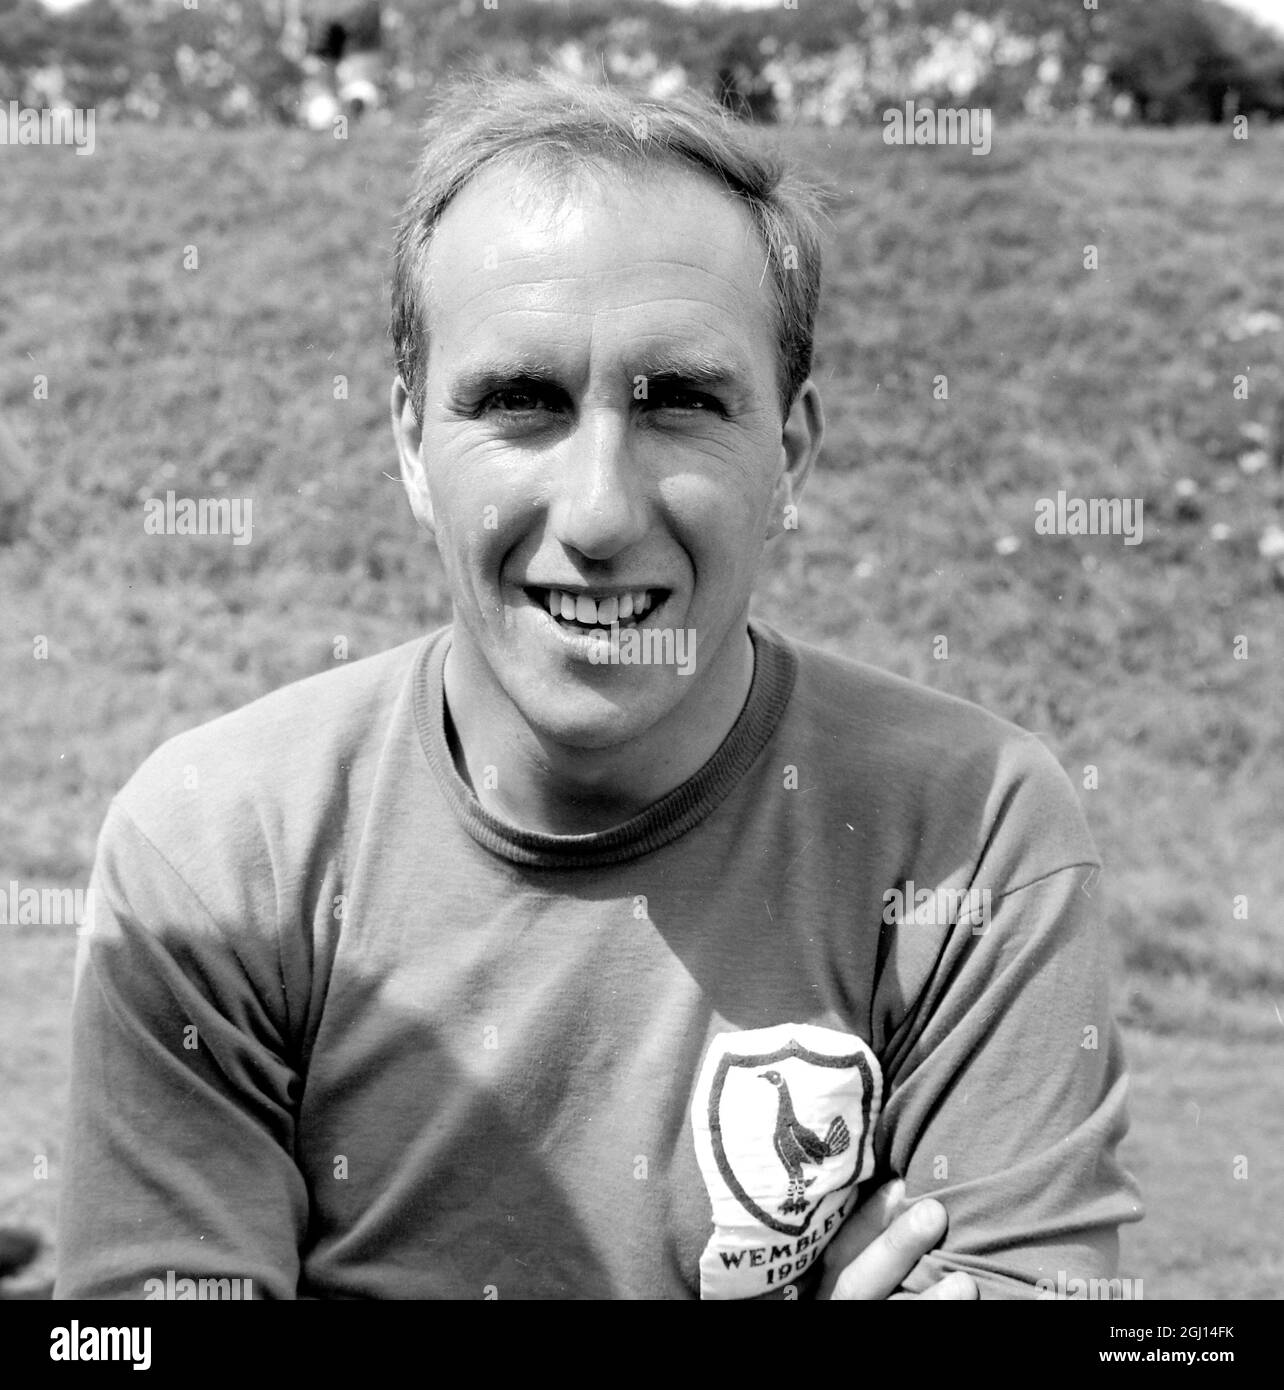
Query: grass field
[[221, 380]]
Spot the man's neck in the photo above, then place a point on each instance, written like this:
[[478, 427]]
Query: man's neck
[[559, 790]]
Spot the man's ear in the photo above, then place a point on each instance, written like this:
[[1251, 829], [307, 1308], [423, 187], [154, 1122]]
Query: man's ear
[[408, 433], [800, 440]]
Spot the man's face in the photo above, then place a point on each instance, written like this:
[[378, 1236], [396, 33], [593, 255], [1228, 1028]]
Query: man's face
[[601, 430]]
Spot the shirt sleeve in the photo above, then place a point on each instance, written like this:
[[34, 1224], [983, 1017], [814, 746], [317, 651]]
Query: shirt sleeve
[[183, 1092], [1006, 1096]]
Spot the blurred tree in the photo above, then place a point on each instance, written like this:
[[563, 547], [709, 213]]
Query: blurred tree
[[92, 50], [739, 83], [28, 33], [1168, 56], [1257, 76], [222, 63]]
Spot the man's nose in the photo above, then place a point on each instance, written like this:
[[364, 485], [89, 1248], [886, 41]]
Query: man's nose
[[598, 502]]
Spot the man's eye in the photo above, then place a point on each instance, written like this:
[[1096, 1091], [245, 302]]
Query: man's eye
[[516, 401], [679, 398]]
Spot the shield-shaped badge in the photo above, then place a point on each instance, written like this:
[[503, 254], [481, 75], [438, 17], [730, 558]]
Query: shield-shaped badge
[[783, 1120]]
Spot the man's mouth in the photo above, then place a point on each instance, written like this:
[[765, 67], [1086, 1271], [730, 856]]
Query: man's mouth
[[586, 612]]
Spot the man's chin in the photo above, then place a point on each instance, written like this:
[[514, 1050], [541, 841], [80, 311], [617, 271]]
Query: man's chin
[[591, 722]]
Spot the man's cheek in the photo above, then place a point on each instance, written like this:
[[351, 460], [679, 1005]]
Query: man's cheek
[[468, 531]]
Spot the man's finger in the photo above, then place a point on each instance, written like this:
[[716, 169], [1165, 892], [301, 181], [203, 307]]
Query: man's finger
[[881, 1268], [865, 1225], [878, 1270]]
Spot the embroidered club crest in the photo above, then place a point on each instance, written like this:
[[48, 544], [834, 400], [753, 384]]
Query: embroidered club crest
[[783, 1120]]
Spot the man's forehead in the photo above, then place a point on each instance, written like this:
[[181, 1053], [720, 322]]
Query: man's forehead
[[542, 197], [602, 238]]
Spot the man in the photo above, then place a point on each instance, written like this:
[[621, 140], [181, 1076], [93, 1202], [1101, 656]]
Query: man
[[558, 954]]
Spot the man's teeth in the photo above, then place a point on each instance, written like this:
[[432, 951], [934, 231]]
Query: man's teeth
[[581, 608]]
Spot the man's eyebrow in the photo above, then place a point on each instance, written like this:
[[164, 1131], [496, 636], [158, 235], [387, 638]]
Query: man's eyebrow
[[478, 378], [677, 366], [693, 368]]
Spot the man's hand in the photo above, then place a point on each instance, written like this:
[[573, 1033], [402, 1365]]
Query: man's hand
[[882, 1242]]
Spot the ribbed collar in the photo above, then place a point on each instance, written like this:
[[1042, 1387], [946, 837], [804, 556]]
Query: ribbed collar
[[774, 671]]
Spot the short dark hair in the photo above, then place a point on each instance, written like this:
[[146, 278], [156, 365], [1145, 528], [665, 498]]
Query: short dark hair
[[559, 126]]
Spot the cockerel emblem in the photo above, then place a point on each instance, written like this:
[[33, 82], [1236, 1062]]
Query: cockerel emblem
[[797, 1146]]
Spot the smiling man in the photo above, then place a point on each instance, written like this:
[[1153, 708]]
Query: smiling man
[[607, 943], [603, 450]]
